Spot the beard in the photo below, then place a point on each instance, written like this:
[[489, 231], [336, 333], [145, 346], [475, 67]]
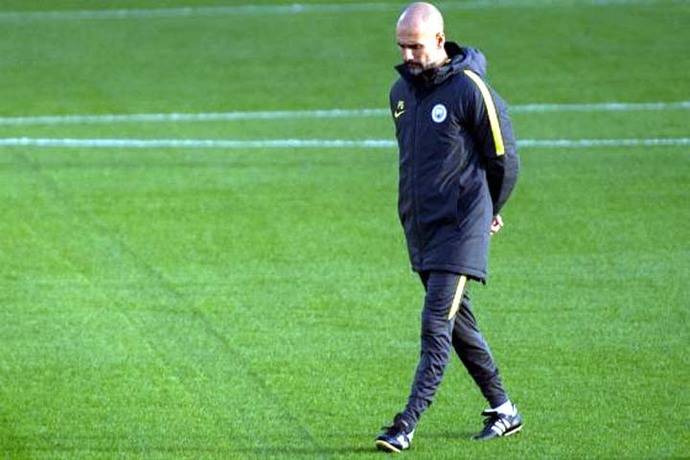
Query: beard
[[414, 67]]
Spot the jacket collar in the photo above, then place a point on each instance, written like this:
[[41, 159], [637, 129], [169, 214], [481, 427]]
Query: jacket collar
[[459, 59]]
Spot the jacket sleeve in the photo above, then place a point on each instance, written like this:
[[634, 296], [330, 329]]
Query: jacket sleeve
[[487, 117]]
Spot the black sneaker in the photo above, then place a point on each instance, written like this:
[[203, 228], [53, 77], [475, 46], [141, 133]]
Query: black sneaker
[[497, 425], [396, 437]]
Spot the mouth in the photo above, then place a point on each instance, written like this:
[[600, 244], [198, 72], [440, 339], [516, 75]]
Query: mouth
[[414, 67]]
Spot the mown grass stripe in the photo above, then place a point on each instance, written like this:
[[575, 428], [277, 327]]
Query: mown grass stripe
[[175, 117], [296, 8], [310, 143]]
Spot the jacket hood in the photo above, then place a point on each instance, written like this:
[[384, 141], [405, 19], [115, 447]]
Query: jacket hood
[[460, 58], [466, 58]]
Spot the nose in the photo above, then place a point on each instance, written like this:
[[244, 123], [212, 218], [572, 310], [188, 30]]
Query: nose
[[406, 54]]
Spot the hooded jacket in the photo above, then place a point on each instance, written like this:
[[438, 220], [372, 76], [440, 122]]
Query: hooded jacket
[[458, 162]]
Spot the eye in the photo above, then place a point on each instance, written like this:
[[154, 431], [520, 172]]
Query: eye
[[415, 46]]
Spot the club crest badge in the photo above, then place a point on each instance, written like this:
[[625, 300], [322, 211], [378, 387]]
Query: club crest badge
[[439, 113]]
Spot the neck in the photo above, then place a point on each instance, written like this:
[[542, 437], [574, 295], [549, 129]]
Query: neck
[[441, 59]]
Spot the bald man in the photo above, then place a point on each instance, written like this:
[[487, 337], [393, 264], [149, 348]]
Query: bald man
[[458, 166]]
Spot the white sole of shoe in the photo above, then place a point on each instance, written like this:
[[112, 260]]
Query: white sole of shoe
[[383, 445], [513, 431]]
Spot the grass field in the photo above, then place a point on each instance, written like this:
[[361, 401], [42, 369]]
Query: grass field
[[258, 303]]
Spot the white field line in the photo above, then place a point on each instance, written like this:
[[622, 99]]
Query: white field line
[[600, 107], [315, 114], [196, 143], [312, 143], [586, 143], [191, 117], [297, 8]]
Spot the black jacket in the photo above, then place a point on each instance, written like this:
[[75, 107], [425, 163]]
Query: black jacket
[[458, 162]]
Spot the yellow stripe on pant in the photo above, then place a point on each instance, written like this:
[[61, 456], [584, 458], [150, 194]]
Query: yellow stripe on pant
[[491, 110], [457, 297]]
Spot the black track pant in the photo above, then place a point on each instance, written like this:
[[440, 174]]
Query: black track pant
[[444, 291]]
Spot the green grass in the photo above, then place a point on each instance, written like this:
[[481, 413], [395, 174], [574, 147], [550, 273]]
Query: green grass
[[258, 303]]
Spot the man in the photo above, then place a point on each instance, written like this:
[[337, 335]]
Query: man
[[458, 165]]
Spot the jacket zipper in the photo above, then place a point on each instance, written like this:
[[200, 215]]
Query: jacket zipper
[[415, 194]]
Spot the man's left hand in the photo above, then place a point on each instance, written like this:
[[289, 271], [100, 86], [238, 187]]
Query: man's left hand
[[496, 224]]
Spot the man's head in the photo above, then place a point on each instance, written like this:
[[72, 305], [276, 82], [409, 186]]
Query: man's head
[[420, 37]]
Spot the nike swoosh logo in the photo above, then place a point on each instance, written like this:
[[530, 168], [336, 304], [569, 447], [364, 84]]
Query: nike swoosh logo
[[397, 114]]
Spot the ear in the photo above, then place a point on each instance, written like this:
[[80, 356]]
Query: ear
[[440, 40]]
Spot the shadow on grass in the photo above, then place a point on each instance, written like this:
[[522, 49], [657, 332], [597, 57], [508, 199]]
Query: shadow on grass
[[82, 447], [308, 451], [446, 435]]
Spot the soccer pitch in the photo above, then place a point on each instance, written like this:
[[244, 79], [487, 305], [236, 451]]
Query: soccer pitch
[[232, 281]]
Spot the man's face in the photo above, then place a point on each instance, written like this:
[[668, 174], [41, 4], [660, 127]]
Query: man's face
[[420, 49]]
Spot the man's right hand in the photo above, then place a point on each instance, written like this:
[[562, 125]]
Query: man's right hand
[[496, 224]]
